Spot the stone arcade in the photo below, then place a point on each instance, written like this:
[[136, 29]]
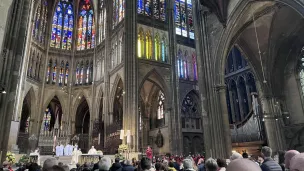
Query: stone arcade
[[181, 76]]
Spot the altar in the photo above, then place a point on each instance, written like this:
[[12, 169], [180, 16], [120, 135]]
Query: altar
[[89, 158]]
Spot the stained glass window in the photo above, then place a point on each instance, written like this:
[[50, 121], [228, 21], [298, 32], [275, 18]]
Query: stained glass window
[[140, 44], [49, 71], [163, 50], [40, 21], [47, 119], [118, 11], [86, 26], [148, 45], [54, 72], [160, 108], [194, 67], [157, 47], [87, 72], [152, 8], [102, 21], [301, 73], [61, 74], [66, 73], [77, 73], [91, 72], [183, 18], [62, 26], [81, 73]]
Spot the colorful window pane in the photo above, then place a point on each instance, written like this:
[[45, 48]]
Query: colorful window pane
[[194, 67], [140, 6], [54, 72], [81, 73], [160, 108], [162, 7], [163, 51], [66, 73], [77, 73], [87, 72], [61, 75], [148, 7], [118, 11], [62, 26], [184, 18], [49, 71], [86, 26], [156, 9], [148, 45]]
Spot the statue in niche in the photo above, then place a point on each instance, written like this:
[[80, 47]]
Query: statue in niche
[[159, 139]]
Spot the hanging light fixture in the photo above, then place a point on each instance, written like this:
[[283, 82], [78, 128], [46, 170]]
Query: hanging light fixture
[[259, 50]]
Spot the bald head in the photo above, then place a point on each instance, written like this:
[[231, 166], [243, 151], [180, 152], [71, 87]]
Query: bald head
[[243, 165], [297, 162], [49, 163], [288, 156]]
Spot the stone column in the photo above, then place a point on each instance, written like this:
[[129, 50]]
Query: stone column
[[176, 142], [16, 36], [130, 107], [221, 89], [272, 127]]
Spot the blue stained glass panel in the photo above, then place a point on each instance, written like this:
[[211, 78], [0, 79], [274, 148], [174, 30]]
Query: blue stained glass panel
[[140, 7], [148, 8]]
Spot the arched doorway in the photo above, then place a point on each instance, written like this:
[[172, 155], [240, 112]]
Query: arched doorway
[[98, 128], [23, 134], [51, 125], [82, 124], [152, 115], [113, 135]]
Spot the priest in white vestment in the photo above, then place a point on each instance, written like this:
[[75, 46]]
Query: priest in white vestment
[[57, 150], [92, 151], [66, 150], [70, 149], [61, 147]]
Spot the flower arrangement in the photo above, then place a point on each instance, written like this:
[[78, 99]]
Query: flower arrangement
[[24, 159], [10, 157], [122, 148]]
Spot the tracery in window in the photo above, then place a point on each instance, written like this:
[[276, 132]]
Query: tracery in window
[[148, 45], [77, 73], [160, 107], [152, 8], [49, 71], [102, 21], [140, 44], [86, 26], [54, 72], [40, 21], [157, 48], [81, 73], [66, 73], [190, 115], [62, 26], [183, 18], [87, 72], [118, 11], [61, 74], [163, 51]]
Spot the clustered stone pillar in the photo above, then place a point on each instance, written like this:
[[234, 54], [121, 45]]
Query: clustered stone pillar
[[217, 137], [176, 143], [130, 121]]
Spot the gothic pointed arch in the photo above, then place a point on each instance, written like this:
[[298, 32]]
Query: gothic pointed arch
[[27, 112], [82, 124]]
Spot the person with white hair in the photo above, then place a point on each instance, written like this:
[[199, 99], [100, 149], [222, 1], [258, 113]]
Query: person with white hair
[[243, 165], [235, 155], [49, 163], [211, 165], [104, 164], [128, 166]]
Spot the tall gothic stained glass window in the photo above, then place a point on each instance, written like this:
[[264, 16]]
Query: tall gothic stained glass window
[[118, 11], [54, 72], [152, 8], [86, 26], [61, 74], [102, 21], [77, 73], [194, 67], [49, 71], [40, 21], [87, 72], [66, 73], [301, 71], [163, 50], [140, 44], [157, 52], [160, 107], [183, 18], [62, 26], [148, 45]]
